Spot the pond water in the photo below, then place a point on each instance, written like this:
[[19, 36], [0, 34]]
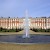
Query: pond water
[[19, 39]]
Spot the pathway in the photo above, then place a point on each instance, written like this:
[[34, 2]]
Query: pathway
[[22, 32]]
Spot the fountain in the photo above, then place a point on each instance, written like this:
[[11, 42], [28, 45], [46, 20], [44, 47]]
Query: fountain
[[25, 38], [26, 28]]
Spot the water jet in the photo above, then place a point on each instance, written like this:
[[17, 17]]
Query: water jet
[[26, 26]]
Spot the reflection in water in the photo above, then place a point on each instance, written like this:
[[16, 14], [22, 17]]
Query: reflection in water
[[19, 39]]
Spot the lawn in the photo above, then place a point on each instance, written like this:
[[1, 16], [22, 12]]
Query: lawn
[[24, 47]]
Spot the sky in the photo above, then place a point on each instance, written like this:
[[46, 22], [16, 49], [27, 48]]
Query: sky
[[17, 8]]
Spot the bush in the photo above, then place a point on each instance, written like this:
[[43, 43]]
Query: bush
[[1, 28], [40, 30], [17, 30], [10, 30], [34, 29]]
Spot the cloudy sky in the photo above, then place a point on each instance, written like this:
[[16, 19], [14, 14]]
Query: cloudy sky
[[14, 8]]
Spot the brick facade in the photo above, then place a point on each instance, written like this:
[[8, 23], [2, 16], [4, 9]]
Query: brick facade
[[10, 23]]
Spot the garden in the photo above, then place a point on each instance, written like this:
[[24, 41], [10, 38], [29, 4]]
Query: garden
[[10, 30]]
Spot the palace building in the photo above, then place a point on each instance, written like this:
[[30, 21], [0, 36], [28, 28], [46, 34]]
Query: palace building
[[39, 22]]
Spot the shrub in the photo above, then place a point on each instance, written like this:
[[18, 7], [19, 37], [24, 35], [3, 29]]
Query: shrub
[[1, 28], [10, 30], [40, 30]]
